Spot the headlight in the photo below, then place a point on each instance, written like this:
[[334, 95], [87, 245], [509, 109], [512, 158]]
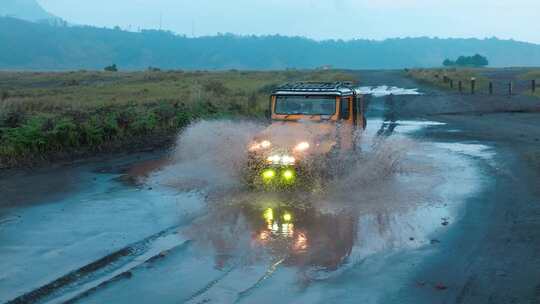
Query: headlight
[[301, 147], [285, 160], [265, 144], [274, 159]]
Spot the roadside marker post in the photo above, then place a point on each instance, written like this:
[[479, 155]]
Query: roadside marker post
[[490, 88], [460, 85], [533, 82], [451, 83], [473, 85], [510, 88]]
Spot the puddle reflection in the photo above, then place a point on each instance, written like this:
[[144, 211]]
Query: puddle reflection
[[286, 229], [257, 230], [303, 236]]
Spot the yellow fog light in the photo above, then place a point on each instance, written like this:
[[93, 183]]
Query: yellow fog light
[[288, 175], [287, 217], [268, 214], [268, 174]]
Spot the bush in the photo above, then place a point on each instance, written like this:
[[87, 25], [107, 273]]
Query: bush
[[145, 123], [64, 134], [29, 137], [4, 95], [183, 118], [92, 132], [111, 68]]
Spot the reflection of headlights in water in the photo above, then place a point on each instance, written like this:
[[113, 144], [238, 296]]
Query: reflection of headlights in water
[[287, 229], [287, 217], [300, 244], [263, 236], [268, 214], [301, 147], [275, 228]]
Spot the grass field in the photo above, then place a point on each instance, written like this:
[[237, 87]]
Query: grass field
[[47, 114], [442, 78]]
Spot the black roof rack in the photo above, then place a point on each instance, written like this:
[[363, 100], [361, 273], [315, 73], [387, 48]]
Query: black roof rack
[[338, 87]]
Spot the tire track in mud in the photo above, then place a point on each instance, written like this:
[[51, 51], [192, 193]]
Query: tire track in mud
[[269, 272], [115, 266], [240, 294], [128, 273], [208, 286]]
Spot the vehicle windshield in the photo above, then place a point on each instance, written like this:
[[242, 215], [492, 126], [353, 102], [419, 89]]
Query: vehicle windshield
[[288, 105]]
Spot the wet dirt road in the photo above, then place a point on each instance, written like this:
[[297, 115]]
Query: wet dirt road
[[457, 222]]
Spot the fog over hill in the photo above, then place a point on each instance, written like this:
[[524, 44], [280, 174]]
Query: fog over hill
[[38, 46], [28, 10]]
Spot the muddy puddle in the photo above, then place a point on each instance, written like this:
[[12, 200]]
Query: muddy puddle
[[231, 244]]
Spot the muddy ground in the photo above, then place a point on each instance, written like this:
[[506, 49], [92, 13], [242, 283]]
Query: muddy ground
[[57, 220], [491, 255]]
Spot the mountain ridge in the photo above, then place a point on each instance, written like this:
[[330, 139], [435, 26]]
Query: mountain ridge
[[38, 46], [29, 10]]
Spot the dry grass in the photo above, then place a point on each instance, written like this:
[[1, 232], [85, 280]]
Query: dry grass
[[442, 77], [530, 75], [91, 90], [43, 113]]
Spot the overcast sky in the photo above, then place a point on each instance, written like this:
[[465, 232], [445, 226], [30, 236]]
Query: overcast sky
[[345, 19]]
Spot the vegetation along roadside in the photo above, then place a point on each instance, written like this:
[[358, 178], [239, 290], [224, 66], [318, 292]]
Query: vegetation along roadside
[[51, 116]]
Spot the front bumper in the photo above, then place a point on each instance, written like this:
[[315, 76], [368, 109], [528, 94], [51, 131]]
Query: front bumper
[[261, 173]]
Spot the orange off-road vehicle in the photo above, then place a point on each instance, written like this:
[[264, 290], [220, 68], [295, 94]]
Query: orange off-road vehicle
[[312, 124]]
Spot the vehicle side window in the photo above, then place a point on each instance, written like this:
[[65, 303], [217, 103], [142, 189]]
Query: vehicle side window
[[344, 110]]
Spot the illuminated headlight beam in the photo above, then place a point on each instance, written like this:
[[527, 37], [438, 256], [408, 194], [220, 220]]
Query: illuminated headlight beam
[[285, 160], [301, 147]]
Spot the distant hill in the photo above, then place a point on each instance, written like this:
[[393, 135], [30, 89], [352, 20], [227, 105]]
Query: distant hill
[[28, 10], [34, 46]]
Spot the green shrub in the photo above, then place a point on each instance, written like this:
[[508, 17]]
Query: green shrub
[[165, 111], [29, 137], [66, 133], [92, 132], [145, 123], [110, 125], [183, 118]]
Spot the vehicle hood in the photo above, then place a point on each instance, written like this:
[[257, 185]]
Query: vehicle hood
[[287, 134]]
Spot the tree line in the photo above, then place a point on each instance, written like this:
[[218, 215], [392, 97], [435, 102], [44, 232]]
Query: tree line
[[34, 46], [467, 61]]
